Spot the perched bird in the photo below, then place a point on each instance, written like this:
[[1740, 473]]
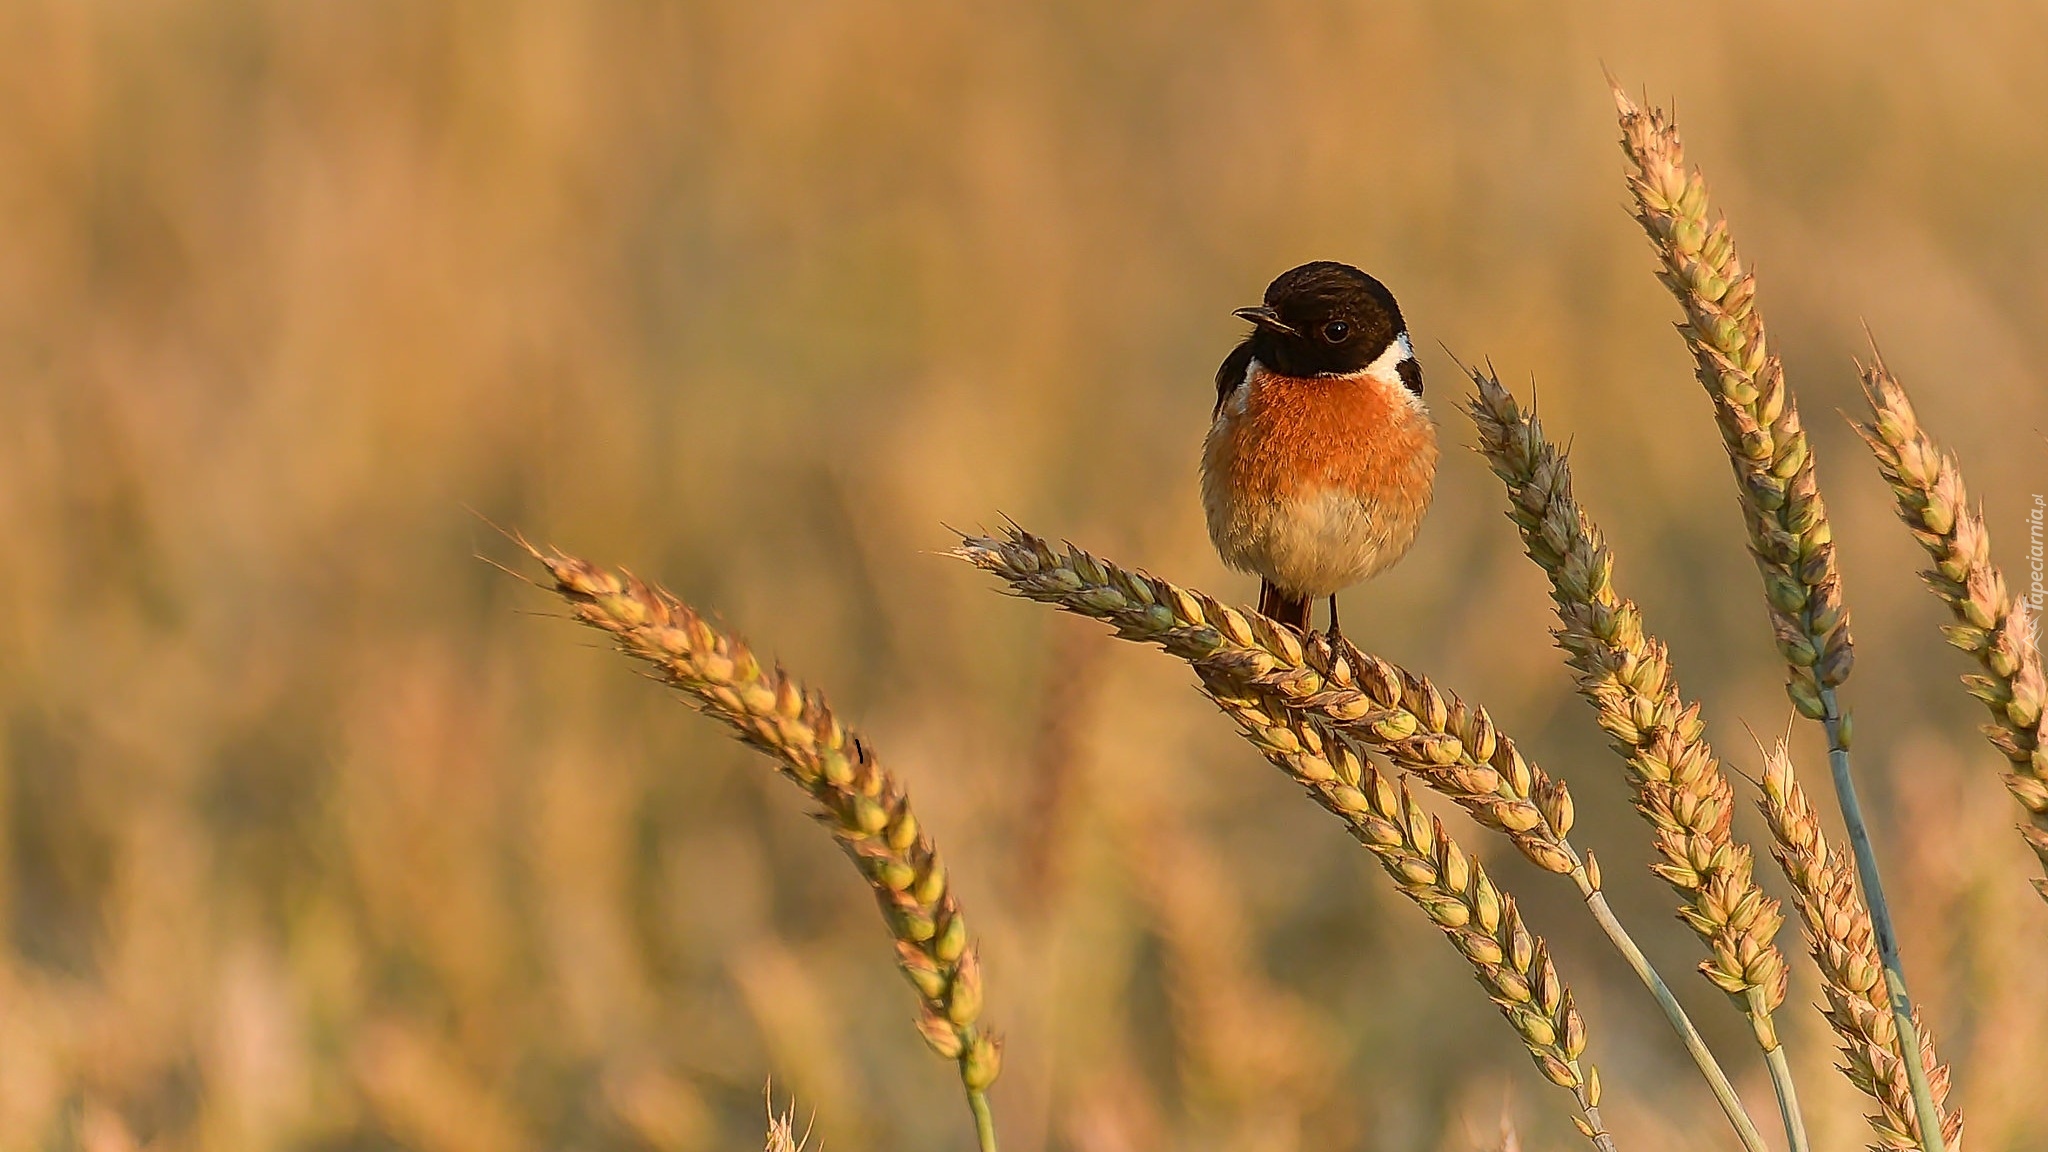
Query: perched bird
[[1321, 460]]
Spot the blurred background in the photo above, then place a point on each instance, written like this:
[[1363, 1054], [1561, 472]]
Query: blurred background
[[318, 832]]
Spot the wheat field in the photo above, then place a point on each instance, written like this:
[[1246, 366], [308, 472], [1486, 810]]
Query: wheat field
[[319, 832]]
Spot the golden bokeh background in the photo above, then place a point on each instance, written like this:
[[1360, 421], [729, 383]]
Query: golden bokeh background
[[314, 836]]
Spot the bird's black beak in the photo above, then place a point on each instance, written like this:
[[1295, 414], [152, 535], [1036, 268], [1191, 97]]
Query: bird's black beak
[[1265, 318]]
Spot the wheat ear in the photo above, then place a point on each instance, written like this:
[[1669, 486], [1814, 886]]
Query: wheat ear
[[858, 800], [1789, 533], [1430, 869], [1421, 729], [1989, 623], [1675, 780], [1251, 668], [1838, 933]]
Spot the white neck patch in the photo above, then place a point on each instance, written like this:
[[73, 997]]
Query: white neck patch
[[1385, 364], [1386, 370]]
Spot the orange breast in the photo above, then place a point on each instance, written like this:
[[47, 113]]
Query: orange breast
[[1297, 436]]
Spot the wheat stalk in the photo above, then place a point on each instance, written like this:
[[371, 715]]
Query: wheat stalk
[[1420, 728], [858, 800], [1989, 623], [1675, 780], [1789, 532], [1838, 934]]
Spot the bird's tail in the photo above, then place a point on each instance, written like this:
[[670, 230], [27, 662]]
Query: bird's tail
[[1282, 607]]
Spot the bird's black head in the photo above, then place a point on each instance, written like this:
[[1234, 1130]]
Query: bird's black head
[[1323, 319]]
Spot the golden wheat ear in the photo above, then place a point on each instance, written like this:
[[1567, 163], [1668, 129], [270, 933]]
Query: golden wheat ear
[[1675, 780], [1989, 623], [1839, 935], [864, 806]]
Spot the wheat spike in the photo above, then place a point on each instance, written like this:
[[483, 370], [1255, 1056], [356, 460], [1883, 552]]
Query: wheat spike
[[1420, 727], [1839, 935], [1675, 780], [1990, 623], [1789, 533], [864, 806]]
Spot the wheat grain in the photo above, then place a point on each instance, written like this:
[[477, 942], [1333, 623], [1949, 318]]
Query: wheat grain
[[1839, 936], [1989, 623], [864, 806]]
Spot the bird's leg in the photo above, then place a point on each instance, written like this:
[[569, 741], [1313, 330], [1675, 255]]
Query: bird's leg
[[1336, 633]]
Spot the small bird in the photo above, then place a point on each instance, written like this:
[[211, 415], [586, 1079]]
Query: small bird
[[1322, 458]]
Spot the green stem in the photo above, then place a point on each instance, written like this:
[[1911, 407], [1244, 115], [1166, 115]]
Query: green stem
[[1717, 1080], [984, 1122], [1881, 922], [1788, 1097]]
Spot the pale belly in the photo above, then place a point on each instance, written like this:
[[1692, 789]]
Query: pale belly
[[1314, 543]]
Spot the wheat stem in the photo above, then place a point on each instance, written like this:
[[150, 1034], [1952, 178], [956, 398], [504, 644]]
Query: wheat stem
[[1926, 1116], [1787, 1091], [984, 1121], [1689, 1036], [863, 805]]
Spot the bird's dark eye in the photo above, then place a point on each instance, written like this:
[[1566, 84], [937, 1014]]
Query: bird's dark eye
[[1335, 331]]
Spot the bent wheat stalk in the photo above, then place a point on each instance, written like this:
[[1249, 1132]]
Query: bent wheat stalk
[[1838, 934], [861, 803], [1675, 781], [1421, 729], [1989, 624], [1789, 533]]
